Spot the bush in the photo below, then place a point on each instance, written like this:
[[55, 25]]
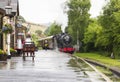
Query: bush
[[12, 50], [3, 55], [116, 51], [2, 52]]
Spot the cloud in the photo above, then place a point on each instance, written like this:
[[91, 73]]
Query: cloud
[[47, 11], [96, 7], [42, 11]]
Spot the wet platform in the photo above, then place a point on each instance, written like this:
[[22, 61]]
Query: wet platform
[[48, 66]]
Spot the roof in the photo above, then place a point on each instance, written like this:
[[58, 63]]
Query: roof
[[46, 38], [13, 3]]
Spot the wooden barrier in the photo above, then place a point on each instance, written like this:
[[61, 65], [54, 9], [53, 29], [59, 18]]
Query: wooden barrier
[[29, 50]]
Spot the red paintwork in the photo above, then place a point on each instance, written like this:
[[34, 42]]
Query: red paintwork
[[67, 49]]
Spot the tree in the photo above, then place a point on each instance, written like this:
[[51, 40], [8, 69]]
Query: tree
[[38, 32], [54, 29], [78, 18], [91, 34], [22, 19], [35, 39], [110, 21]]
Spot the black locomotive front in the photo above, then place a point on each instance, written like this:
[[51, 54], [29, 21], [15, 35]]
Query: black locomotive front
[[64, 42]]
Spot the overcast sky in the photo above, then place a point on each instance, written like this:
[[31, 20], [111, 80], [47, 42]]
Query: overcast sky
[[47, 11]]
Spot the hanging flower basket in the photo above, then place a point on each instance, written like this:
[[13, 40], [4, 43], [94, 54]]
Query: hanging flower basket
[[7, 28], [3, 55]]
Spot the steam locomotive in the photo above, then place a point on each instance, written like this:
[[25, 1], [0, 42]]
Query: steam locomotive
[[64, 43], [63, 40]]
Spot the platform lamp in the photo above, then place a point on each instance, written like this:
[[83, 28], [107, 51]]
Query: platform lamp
[[8, 10]]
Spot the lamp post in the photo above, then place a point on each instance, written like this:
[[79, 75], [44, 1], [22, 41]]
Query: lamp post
[[8, 9], [77, 41]]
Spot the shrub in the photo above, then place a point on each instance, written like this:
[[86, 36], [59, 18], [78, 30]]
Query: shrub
[[2, 52], [12, 50]]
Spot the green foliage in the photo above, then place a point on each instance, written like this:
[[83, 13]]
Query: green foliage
[[2, 52], [110, 21], [91, 35], [105, 71], [47, 31], [102, 34], [7, 28], [22, 19], [54, 29], [35, 39], [92, 31], [116, 50], [99, 58], [38, 32], [78, 18], [12, 50]]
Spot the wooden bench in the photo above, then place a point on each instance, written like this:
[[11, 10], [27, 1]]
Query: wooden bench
[[29, 50]]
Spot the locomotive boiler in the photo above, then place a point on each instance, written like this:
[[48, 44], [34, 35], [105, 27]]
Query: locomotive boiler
[[64, 42]]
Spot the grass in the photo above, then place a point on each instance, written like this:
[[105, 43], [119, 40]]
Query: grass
[[100, 58], [105, 71], [108, 73]]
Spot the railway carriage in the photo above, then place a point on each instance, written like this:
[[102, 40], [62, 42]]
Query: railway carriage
[[47, 43]]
